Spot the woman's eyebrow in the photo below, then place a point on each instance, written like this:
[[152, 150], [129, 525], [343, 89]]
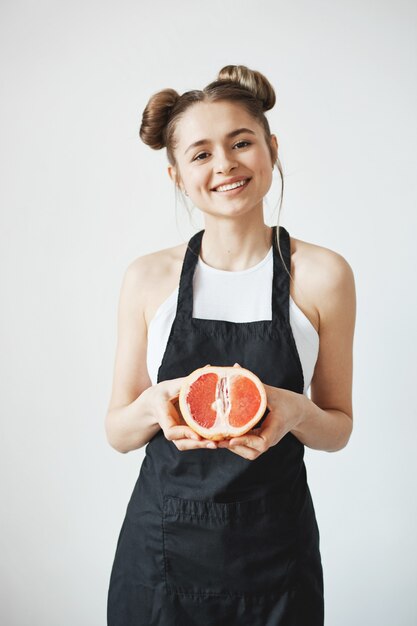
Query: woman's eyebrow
[[238, 131]]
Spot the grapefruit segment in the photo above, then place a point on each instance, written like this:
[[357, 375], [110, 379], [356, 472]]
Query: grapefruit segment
[[246, 400], [200, 400], [221, 402]]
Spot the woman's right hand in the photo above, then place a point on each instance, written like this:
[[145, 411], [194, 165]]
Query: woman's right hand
[[164, 400]]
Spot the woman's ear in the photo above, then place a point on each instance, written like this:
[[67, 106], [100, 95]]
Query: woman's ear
[[274, 147], [172, 173]]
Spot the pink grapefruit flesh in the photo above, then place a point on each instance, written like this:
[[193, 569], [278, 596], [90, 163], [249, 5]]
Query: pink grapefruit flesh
[[220, 402]]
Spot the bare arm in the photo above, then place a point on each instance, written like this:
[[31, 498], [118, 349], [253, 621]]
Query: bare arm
[[328, 417], [138, 409], [132, 426], [129, 422]]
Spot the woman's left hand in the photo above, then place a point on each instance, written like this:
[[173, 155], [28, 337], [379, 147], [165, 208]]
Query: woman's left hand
[[285, 414]]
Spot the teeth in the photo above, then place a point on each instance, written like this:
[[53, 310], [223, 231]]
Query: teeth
[[232, 186]]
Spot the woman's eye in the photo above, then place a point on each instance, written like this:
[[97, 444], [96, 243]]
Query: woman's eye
[[197, 158], [199, 155]]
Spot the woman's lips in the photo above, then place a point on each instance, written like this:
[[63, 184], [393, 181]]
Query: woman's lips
[[234, 191]]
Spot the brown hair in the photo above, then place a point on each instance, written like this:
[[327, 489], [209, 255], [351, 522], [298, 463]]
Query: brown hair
[[237, 83]]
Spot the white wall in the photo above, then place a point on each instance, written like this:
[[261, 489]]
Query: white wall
[[81, 197]]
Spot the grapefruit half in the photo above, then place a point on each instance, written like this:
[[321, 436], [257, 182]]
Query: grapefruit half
[[221, 402]]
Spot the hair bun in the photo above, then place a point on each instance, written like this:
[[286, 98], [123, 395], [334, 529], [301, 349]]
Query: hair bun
[[252, 80], [155, 118]]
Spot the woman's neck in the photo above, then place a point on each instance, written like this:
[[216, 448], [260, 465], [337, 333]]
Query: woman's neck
[[233, 247]]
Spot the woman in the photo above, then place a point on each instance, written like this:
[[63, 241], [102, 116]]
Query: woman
[[225, 534]]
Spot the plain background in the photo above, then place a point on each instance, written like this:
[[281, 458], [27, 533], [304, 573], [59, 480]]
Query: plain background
[[82, 196]]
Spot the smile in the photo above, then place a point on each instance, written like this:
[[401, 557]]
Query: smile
[[233, 188]]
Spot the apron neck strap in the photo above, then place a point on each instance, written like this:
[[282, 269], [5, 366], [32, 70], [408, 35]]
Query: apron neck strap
[[280, 281]]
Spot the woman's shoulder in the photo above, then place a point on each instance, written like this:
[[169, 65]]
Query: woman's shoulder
[[321, 276], [318, 263], [155, 264], [157, 274], [307, 254]]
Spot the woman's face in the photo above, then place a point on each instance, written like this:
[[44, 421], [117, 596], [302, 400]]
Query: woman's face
[[221, 157]]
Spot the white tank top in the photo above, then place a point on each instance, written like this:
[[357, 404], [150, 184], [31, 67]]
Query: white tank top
[[235, 296]]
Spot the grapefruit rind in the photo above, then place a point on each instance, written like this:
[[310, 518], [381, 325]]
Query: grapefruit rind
[[217, 414]]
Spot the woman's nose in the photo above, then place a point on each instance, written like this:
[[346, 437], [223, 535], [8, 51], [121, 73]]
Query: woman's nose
[[224, 162]]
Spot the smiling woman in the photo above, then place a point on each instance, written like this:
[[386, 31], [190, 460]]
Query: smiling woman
[[225, 533], [230, 171]]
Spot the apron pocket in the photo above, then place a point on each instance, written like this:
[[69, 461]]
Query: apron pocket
[[233, 548]]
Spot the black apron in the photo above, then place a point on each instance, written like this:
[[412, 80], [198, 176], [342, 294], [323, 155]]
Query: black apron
[[210, 538]]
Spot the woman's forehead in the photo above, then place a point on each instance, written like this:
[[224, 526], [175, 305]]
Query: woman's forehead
[[213, 120]]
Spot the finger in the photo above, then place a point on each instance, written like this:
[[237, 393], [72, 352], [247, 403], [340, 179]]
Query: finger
[[271, 432], [181, 432], [188, 444], [269, 391], [173, 386], [251, 442], [178, 414], [168, 418], [250, 454]]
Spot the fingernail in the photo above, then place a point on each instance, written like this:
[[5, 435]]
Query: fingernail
[[211, 445]]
